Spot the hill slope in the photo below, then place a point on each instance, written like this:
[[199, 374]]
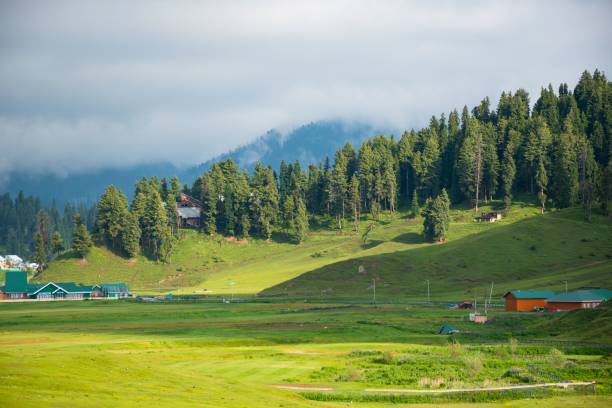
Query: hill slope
[[522, 251], [539, 251]]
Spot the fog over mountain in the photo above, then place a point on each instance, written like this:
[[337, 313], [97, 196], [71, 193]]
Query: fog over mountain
[[307, 143]]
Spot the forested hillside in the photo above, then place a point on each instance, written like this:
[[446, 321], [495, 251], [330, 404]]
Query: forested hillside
[[559, 152]]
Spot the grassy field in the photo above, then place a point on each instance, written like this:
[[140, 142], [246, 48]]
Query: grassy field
[[123, 353], [525, 250], [311, 324]]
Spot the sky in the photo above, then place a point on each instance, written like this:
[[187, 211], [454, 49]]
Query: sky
[[93, 84]]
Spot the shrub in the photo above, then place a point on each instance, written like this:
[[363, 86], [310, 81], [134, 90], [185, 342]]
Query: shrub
[[389, 357], [556, 358], [455, 350], [351, 374], [473, 363], [513, 345]]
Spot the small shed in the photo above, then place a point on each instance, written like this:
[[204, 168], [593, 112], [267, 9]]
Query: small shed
[[477, 318], [447, 329], [526, 300], [490, 216]]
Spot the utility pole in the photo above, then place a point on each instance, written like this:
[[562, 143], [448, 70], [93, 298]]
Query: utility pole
[[428, 293], [231, 284], [566, 287], [490, 296]]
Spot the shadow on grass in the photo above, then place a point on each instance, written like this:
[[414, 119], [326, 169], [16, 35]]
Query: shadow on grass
[[373, 243], [409, 238]]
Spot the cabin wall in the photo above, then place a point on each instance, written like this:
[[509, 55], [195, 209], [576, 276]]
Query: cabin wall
[[523, 305], [562, 306]]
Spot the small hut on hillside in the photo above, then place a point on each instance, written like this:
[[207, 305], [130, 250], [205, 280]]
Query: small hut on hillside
[[489, 217], [188, 211]]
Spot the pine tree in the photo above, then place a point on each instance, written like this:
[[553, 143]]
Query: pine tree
[[366, 174], [339, 186], [606, 191], [41, 252], [264, 200], [170, 202], [130, 235], [175, 187], [470, 162], [137, 207], [242, 213], [44, 228], [288, 212], [327, 187], [229, 211], [209, 197], [541, 179], [508, 172], [436, 217], [81, 241], [390, 187], [355, 200], [111, 212], [405, 157], [300, 221], [57, 242], [427, 165], [565, 169], [414, 206], [156, 234]]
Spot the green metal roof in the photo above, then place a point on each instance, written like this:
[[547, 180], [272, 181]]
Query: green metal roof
[[33, 287], [531, 294], [114, 287], [16, 282], [596, 295], [71, 287]]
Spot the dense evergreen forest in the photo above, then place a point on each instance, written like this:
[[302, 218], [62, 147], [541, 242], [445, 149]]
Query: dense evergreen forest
[[559, 152], [22, 217]]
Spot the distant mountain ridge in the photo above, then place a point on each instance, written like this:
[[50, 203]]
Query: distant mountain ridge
[[307, 143]]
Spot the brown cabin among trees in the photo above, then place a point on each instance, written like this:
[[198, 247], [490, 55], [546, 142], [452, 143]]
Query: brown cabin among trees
[[188, 211]]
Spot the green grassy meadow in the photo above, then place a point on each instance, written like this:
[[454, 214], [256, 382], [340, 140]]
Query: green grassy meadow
[[123, 353], [309, 321]]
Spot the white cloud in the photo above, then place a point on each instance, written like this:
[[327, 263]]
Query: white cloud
[[86, 84]]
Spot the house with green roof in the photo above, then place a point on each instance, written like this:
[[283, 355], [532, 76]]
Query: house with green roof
[[17, 287], [579, 299]]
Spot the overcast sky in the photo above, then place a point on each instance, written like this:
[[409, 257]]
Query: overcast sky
[[91, 84]]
